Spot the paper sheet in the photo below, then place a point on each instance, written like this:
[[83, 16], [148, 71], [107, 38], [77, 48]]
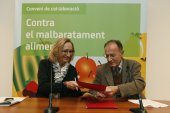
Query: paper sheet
[[149, 103], [13, 100]]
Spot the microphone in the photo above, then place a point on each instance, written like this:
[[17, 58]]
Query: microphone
[[141, 109], [50, 108]]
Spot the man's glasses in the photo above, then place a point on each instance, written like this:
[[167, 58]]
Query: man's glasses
[[67, 51], [110, 55]]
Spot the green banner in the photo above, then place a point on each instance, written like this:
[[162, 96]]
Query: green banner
[[84, 24]]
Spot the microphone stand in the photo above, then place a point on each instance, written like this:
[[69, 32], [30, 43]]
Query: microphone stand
[[141, 109], [50, 108]]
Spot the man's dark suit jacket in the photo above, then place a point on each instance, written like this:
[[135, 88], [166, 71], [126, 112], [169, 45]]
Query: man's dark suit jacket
[[130, 69], [44, 74]]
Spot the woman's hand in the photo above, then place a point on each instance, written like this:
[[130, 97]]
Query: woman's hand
[[71, 85]]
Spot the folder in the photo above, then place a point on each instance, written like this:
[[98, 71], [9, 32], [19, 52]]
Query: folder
[[101, 104], [96, 87]]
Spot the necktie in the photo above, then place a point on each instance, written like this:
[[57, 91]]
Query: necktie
[[117, 77], [116, 71]]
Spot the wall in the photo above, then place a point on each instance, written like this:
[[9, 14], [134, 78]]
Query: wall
[[6, 46], [158, 53]]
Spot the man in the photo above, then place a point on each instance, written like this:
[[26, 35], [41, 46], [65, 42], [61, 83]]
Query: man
[[118, 74]]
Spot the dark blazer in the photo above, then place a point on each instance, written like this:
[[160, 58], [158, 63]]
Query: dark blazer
[[130, 69], [44, 74]]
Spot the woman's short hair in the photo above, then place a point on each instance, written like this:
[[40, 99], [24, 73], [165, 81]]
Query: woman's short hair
[[59, 44]]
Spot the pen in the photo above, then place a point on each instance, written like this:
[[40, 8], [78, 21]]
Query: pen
[[8, 99]]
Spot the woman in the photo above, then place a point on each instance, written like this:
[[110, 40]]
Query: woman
[[58, 66]]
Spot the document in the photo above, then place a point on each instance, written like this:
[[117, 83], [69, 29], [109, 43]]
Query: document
[[149, 103], [8, 101], [96, 87], [101, 104]]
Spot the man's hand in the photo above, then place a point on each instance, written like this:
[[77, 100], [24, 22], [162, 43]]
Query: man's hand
[[111, 90]]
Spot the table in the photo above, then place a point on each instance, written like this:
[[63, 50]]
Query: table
[[73, 105]]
